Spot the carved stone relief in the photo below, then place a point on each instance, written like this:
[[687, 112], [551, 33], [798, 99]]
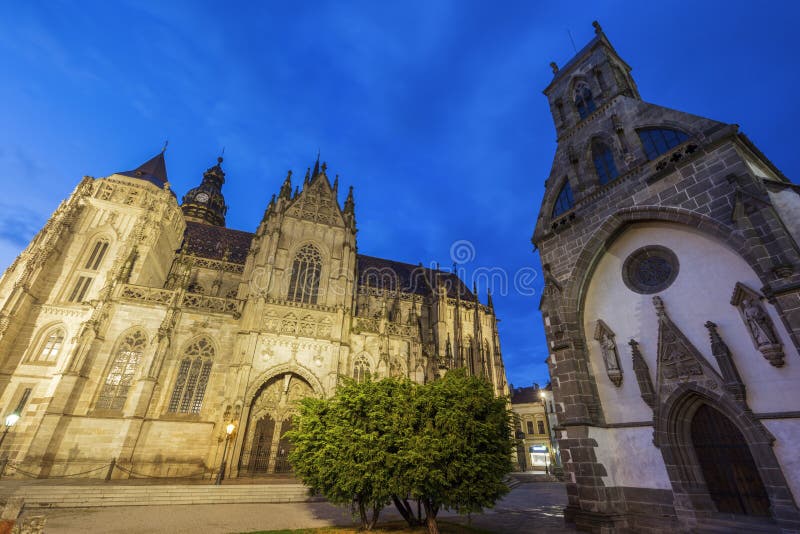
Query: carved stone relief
[[758, 323], [605, 337]]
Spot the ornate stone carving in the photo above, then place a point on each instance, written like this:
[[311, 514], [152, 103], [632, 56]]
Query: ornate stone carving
[[733, 382], [677, 357], [650, 269], [605, 337], [758, 322]]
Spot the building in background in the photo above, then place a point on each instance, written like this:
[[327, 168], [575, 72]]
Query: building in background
[[669, 245], [536, 451], [137, 328]]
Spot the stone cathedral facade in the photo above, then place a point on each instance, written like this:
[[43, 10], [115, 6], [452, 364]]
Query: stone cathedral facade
[[135, 327], [671, 305]]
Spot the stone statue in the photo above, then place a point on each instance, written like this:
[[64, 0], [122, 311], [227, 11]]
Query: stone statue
[[609, 352], [758, 323]]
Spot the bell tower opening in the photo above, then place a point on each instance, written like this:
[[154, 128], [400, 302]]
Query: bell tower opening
[[730, 472]]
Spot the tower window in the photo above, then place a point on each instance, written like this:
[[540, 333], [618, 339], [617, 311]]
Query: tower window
[[304, 283], [123, 368], [80, 289], [657, 141], [530, 427], [96, 257], [584, 102], [564, 202], [193, 374], [540, 426], [604, 163]]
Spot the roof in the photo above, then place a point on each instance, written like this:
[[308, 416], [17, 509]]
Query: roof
[[525, 395], [214, 242], [153, 170], [408, 278]]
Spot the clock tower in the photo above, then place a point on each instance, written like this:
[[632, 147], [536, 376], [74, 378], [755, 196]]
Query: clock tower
[[205, 202]]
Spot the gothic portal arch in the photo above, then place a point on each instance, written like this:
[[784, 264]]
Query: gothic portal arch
[[272, 410]]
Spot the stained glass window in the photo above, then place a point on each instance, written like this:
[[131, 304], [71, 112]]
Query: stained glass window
[[564, 202], [584, 102], [123, 368], [657, 141], [604, 163], [304, 282], [51, 347], [193, 373], [361, 369]]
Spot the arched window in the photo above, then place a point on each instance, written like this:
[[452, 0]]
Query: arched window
[[604, 162], [361, 369], [123, 368], [86, 273], [193, 373], [564, 202], [656, 141], [50, 347], [584, 102], [529, 424], [304, 283], [540, 426]]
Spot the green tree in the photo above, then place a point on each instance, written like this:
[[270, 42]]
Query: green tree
[[345, 447], [459, 449]]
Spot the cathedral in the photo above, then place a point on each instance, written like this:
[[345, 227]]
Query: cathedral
[[137, 328], [671, 305]]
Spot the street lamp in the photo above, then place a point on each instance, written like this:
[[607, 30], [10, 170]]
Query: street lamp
[[11, 420], [228, 431]]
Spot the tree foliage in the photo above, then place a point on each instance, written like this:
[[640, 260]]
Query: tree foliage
[[446, 444]]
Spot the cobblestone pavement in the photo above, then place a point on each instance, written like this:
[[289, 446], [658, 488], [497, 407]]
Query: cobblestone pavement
[[534, 507]]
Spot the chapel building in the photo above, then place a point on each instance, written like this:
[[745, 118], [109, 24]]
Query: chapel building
[[669, 245], [136, 328]]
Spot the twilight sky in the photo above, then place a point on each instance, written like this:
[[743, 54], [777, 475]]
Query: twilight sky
[[432, 110]]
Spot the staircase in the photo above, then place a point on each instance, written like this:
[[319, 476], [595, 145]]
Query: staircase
[[90, 495]]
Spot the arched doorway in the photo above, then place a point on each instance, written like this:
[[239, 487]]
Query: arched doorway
[[265, 448], [727, 465]]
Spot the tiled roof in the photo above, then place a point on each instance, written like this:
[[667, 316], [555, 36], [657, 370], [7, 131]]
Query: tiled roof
[[212, 242], [209, 241], [525, 395], [389, 274]]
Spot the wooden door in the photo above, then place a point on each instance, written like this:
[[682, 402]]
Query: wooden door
[[729, 469]]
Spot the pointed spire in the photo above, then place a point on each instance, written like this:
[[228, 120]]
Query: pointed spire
[[307, 179], [286, 188], [153, 170], [642, 372], [720, 350], [316, 167], [489, 299], [324, 167], [336, 184], [349, 203], [296, 191]]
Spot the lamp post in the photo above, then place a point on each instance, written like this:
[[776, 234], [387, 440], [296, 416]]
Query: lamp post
[[11, 420], [228, 431]]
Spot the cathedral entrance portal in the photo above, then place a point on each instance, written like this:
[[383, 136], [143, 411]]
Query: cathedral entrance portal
[[265, 448], [728, 467]]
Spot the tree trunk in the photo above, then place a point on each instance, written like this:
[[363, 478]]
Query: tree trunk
[[405, 510], [375, 513], [430, 517], [362, 512]]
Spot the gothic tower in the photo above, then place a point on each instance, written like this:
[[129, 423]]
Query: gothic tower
[[659, 231]]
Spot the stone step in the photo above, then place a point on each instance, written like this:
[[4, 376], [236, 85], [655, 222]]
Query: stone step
[[80, 496]]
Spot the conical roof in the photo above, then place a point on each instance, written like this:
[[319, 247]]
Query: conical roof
[[153, 170]]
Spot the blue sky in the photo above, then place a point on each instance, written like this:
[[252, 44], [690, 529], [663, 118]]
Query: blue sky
[[432, 110]]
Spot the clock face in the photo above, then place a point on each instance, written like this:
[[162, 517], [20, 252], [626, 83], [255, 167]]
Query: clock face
[[202, 197]]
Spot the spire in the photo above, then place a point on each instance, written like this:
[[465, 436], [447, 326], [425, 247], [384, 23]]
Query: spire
[[316, 167], [489, 299], [286, 188], [153, 170], [349, 203], [205, 203], [336, 185]]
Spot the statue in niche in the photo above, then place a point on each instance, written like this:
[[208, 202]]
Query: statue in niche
[[605, 336], [759, 324]]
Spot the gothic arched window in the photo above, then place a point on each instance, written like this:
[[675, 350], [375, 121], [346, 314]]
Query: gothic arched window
[[50, 347], [584, 102], [564, 202], [657, 141], [87, 272], [193, 373], [361, 369], [304, 283], [123, 368], [604, 162]]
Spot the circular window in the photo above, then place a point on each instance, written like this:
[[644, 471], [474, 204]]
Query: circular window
[[650, 269]]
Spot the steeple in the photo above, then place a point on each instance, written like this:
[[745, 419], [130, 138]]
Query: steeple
[[286, 188], [350, 208], [153, 170], [316, 167], [205, 202]]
